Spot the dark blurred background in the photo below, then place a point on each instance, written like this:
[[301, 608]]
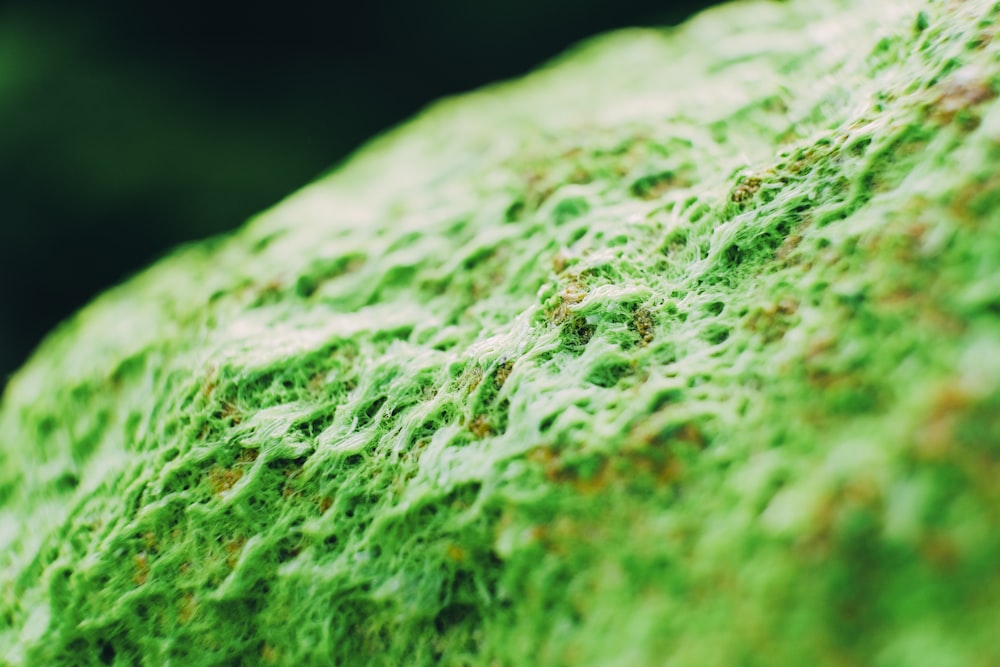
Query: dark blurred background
[[128, 127]]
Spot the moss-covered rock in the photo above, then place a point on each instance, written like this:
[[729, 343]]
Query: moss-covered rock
[[684, 350]]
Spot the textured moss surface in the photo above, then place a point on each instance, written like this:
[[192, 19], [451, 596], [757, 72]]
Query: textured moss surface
[[684, 350]]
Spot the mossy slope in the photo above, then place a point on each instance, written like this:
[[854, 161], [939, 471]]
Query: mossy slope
[[684, 350]]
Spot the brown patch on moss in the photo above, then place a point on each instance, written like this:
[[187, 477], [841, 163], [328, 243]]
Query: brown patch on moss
[[229, 413], [772, 320], [959, 93], [746, 189], [222, 479], [973, 202], [141, 562], [591, 475], [471, 378], [644, 325], [936, 436], [903, 244], [560, 262], [824, 535], [186, 608], [233, 547], [939, 550], [480, 426], [209, 387], [456, 553], [654, 441], [536, 189], [267, 293], [316, 382], [580, 176], [547, 456], [660, 431], [248, 455], [983, 38], [689, 433], [268, 654], [912, 302], [787, 248], [572, 294], [503, 372]]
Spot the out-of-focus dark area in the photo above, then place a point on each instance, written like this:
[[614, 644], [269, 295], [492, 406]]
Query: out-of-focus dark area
[[127, 128]]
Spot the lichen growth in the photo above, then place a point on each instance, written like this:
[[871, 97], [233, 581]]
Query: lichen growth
[[684, 350]]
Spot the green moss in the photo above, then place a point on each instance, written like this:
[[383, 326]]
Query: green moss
[[683, 350]]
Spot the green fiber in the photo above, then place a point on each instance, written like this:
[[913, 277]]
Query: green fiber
[[681, 351]]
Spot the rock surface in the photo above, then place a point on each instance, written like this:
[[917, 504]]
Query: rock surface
[[684, 350]]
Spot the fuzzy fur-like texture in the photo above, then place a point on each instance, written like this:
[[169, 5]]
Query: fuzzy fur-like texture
[[684, 350]]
